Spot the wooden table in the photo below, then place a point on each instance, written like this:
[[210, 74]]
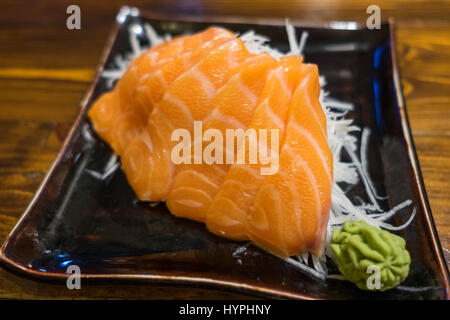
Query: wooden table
[[45, 70]]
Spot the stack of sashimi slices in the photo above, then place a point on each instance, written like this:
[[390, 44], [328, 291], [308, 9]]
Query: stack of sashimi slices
[[242, 83], [213, 77]]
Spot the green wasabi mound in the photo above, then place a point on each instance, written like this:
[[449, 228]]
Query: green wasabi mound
[[372, 258]]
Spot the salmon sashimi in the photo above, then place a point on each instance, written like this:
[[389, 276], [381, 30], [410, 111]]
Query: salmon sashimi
[[152, 85], [227, 213], [290, 211], [144, 82], [233, 106], [227, 137], [107, 109], [147, 159]]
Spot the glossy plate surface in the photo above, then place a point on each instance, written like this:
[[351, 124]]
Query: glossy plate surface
[[100, 226]]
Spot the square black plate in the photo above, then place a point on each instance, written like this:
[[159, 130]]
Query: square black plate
[[101, 227]]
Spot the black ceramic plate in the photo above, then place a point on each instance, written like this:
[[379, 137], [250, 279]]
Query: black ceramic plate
[[100, 226]]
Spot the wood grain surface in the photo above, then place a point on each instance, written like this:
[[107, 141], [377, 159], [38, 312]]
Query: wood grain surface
[[45, 70]]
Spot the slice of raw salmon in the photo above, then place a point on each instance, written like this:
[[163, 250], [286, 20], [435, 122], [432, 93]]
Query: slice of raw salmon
[[107, 108], [144, 82], [151, 86], [228, 211], [233, 107], [291, 207], [154, 58], [187, 99]]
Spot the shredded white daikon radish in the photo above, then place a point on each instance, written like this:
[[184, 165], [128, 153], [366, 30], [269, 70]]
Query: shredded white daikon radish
[[111, 165], [87, 135], [304, 267], [121, 62], [256, 43], [241, 249], [343, 140]]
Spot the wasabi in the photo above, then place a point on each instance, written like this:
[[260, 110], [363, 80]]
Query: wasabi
[[360, 250]]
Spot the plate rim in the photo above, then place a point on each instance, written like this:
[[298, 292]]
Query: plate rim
[[414, 160], [204, 281]]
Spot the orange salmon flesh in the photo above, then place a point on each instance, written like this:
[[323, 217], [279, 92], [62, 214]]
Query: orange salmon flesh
[[212, 77]]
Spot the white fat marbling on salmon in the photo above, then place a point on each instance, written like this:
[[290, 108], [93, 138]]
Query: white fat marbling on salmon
[[229, 121], [187, 192], [309, 174], [180, 105], [313, 141], [198, 175], [205, 83]]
